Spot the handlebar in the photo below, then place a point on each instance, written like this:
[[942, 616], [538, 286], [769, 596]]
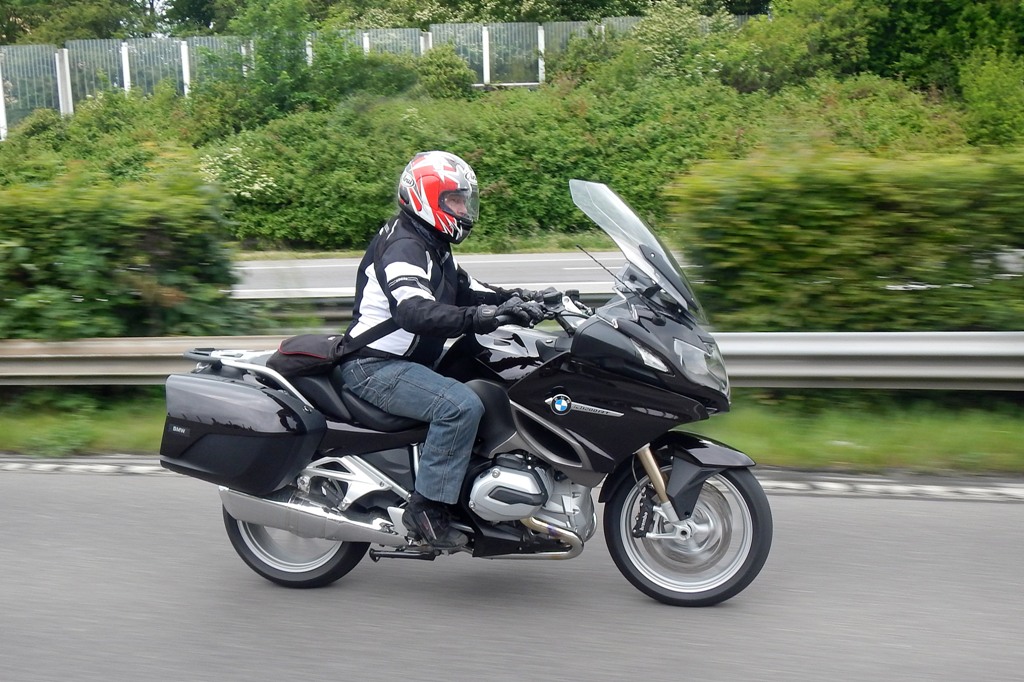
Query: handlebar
[[558, 307]]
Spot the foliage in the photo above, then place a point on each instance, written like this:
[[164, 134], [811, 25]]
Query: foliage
[[993, 91], [57, 21], [340, 68], [681, 42], [328, 179], [867, 113], [199, 17], [824, 240], [112, 137], [924, 41], [82, 259], [444, 74]]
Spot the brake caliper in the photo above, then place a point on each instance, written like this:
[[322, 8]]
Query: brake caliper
[[645, 517]]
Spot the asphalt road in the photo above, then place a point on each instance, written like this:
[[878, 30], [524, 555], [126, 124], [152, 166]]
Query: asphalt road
[[319, 278], [121, 577]]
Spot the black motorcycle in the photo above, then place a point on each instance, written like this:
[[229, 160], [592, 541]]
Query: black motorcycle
[[312, 478]]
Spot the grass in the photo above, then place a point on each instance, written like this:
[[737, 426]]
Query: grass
[[919, 439]]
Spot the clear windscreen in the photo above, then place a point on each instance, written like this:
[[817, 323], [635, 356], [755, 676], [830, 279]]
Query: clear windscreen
[[636, 240]]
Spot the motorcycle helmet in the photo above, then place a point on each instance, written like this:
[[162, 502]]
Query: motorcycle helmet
[[440, 190]]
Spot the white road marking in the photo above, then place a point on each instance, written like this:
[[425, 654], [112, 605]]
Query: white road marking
[[775, 482]]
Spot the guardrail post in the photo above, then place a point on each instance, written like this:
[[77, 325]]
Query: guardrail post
[[64, 94], [3, 104]]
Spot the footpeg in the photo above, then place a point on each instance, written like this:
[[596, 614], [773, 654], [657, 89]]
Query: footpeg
[[423, 555]]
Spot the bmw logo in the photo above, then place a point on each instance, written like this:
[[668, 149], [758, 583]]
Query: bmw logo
[[560, 404]]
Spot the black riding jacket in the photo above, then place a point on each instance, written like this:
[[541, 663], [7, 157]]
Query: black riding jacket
[[411, 275]]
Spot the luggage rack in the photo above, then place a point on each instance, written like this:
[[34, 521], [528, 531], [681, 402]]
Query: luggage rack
[[252, 361]]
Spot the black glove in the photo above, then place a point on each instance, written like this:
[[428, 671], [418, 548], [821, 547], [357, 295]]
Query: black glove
[[487, 318], [534, 310]]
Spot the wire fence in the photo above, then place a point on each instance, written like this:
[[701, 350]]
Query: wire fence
[[49, 77]]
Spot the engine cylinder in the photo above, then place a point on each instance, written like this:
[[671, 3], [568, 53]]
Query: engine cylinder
[[510, 490]]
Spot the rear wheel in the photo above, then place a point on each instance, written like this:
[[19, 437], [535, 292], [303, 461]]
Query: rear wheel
[[290, 560], [717, 553]]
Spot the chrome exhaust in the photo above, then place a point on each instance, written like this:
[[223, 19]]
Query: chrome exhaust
[[560, 534], [288, 511]]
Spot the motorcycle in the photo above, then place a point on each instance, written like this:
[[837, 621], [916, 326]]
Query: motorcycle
[[312, 478]]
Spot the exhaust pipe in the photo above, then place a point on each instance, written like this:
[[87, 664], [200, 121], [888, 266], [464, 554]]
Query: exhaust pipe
[[305, 518], [560, 534]]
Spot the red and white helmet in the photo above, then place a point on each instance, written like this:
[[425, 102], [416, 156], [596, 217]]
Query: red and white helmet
[[440, 189]]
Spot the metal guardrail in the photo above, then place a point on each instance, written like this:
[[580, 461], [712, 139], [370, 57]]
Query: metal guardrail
[[954, 360]]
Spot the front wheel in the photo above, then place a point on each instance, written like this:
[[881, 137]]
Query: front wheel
[[717, 553], [290, 560]]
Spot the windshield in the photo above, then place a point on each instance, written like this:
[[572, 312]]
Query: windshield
[[636, 240]]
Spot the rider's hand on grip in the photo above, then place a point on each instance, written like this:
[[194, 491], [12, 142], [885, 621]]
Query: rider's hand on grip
[[487, 318], [534, 310]]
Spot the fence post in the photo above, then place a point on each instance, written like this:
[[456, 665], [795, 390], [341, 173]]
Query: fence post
[[126, 71], [426, 42], [64, 94], [186, 68], [3, 103], [366, 42], [309, 52], [486, 40], [540, 53]]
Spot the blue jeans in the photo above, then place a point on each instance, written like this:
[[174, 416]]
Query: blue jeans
[[412, 390]]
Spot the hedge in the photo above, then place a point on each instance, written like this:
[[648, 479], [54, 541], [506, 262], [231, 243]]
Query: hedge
[[838, 241], [137, 259]]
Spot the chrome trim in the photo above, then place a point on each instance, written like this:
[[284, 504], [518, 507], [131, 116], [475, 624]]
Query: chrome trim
[[266, 371]]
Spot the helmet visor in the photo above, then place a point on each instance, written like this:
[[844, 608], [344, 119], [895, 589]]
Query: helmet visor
[[464, 204]]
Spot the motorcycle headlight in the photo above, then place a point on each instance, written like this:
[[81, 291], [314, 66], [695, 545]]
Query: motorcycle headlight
[[704, 364]]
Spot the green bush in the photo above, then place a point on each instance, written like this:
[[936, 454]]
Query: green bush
[[444, 74], [327, 180], [835, 241], [993, 91], [85, 259], [865, 113]]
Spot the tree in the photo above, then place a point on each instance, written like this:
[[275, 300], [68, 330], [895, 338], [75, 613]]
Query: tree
[[41, 22], [925, 40], [191, 17]]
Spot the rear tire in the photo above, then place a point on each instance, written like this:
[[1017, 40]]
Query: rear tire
[[290, 560], [730, 537]]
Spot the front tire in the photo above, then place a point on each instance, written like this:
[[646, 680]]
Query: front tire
[[730, 535], [290, 560]]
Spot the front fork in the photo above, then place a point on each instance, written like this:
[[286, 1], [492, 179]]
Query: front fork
[[675, 498]]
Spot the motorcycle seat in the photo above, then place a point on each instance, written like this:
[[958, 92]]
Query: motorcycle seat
[[329, 394]]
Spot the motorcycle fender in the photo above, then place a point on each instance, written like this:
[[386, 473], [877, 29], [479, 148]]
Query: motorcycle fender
[[704, 451], [697, 459]]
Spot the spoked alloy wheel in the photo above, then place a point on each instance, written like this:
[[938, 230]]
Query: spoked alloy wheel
[[290, 560], [718, 552]]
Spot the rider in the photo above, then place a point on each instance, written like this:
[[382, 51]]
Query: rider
[[409, 280]]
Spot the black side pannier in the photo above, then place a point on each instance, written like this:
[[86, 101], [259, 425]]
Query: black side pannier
[[241, 435]]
